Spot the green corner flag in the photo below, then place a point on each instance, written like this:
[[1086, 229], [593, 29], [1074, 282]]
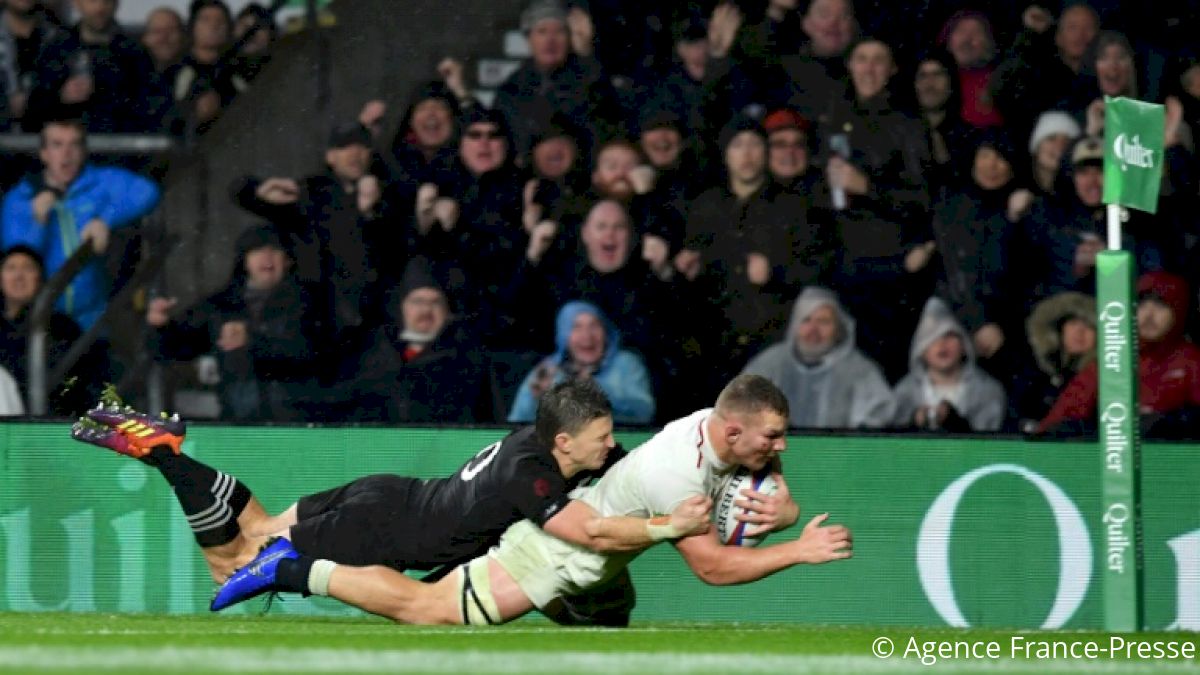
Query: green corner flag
[[1133, 153]]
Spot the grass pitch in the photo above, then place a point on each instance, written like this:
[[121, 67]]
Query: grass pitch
[[97, 643]]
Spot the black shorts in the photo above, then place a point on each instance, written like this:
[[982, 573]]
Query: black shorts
[[364, 522]]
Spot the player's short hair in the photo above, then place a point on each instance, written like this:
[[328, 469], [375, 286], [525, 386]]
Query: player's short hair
[[568, 407], [71, 122], [751, 394]]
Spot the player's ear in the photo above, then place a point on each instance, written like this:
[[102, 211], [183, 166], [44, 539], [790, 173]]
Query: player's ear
[[562, 441]]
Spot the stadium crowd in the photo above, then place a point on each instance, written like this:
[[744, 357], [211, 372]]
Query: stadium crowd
[[892, 210]]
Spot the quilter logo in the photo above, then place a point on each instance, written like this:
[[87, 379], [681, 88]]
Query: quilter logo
[[1131, 152]]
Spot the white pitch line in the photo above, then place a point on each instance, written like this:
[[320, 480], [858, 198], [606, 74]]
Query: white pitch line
[[218, 659]]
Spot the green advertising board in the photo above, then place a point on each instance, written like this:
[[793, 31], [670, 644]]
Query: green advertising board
[[947, 531]]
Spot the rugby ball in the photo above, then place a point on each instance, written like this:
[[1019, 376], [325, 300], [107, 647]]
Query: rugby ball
[[730, 530]]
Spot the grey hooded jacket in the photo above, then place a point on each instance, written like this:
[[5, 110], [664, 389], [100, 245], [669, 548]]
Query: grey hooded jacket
[[844, 390], [981, 399]]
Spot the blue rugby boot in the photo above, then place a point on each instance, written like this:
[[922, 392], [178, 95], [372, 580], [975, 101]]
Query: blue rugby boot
[[257, 577]]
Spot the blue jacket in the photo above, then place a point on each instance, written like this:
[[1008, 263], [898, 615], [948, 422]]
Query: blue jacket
[[621, 374], [114, 195]]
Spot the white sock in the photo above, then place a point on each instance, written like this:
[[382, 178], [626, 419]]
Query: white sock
[[318, 577]]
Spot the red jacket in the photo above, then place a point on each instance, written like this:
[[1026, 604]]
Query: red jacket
[[1168, 370]]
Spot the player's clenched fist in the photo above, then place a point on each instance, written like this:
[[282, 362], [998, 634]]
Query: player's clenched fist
[[692, 516], [820, 544]]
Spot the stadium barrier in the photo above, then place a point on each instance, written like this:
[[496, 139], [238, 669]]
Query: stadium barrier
[[947, 531]]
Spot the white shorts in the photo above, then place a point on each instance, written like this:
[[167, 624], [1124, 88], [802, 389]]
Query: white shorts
[[546, 567]]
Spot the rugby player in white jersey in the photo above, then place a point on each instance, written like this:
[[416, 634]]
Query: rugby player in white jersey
[[529, 569]]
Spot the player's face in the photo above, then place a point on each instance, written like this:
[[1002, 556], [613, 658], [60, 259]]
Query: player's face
[[586, 342], [762, 437], [589, 448], [20, 279]]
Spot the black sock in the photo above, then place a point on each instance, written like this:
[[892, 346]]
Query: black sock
[[211, 500], [292, 574]]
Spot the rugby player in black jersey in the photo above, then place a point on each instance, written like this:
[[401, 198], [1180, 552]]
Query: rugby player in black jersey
[[401, 522]]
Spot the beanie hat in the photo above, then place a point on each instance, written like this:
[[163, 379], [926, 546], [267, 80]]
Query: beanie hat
[[1053, 122], [541, 10], [737, 125]]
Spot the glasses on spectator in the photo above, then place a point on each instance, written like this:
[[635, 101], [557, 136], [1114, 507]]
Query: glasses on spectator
[[483, 134]]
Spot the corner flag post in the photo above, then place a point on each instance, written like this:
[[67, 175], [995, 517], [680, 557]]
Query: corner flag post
[[1133, 160]]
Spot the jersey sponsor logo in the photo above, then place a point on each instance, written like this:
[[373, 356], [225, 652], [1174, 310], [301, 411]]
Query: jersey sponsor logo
[[480, 462]]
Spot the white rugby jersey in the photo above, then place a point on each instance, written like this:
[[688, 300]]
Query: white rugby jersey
[[677, 463]]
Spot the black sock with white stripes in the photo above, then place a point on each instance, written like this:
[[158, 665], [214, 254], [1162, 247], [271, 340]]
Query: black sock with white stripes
[[211, 500]]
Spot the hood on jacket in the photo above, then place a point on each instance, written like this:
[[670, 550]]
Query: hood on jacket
[[1173, 291], [937, 320], [811, 299], [562, 332], [425, 91], [1044, 330]]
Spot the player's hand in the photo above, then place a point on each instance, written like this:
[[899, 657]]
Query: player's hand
[[42, 204], [158, 311], [692, 516], [770, 513], [278, 191], [821, 544], [988, 340], [233, 336], [97, 232], [641, 178]]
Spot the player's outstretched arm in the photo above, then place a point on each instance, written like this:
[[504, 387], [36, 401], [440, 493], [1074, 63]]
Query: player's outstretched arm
[[727, 565], [580, 524]]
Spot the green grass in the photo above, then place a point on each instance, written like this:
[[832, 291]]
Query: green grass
[[91, 643]]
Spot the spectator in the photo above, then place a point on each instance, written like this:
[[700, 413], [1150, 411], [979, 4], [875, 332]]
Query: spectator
[[587, 345], [1168, 366], [164, 38], [1062, 337], [1042, 68], [425, 365], [939, 103], [338, 227], [25, 27], [1053, 134], [206, 81], [558, 174], [425, 148], [828, 382], [971, 256], [691, 87], [968, 37], [750, 247], [789, 151], [94, 73], [680, 175], [944, 390], [887, 204], [556, 80], [11, 404], [761, 43], [21, 278], [73, 201], [813, 79], [262, 326], [255, 31]]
